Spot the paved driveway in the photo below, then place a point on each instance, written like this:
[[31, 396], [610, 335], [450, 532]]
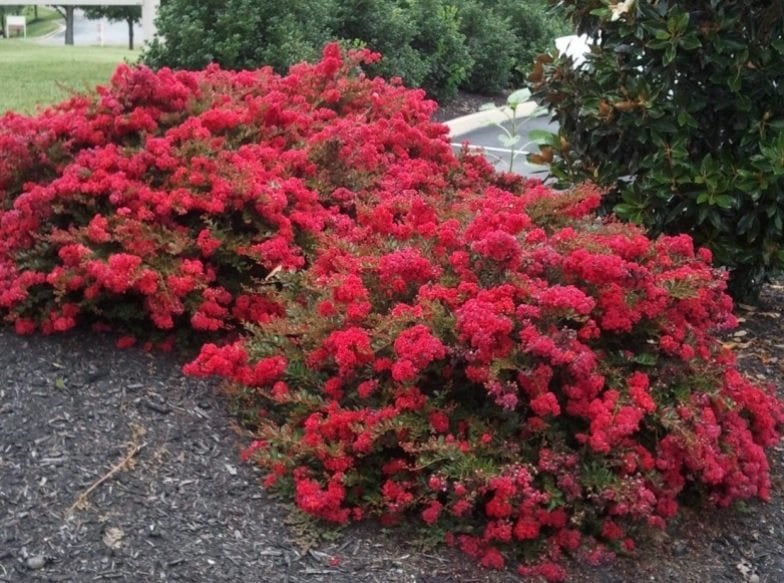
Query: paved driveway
[[96, 32], [488, 138]]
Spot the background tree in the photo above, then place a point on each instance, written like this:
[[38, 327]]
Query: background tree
[[128, 14], [67, 12], [678, 111]]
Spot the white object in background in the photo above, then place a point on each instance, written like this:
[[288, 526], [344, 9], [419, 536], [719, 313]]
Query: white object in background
[[574, 46], [100, 32], [149, 10], [15, 22]]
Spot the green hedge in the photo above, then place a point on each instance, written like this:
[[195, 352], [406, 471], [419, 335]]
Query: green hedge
[[483, 46]]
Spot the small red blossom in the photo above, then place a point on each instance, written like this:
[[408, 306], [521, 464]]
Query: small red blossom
[[432, 512]]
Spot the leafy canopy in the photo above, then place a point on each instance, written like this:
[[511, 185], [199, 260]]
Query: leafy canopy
[[678, 111]]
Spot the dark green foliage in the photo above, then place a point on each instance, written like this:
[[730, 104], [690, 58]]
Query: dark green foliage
[[493, 46], [113, 13], [534, 30], [386, 28], [440, 45], [239, 34], [420, 40], [679, 110]]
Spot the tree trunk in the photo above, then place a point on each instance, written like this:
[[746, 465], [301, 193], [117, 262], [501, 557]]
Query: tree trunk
[[69, 25], [130, 33]]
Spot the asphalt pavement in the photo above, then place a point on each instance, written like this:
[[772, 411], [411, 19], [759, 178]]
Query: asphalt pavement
[[488, 137], [97, 32]]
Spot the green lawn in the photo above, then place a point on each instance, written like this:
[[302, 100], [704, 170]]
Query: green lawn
[[48, 21], [32, 74]]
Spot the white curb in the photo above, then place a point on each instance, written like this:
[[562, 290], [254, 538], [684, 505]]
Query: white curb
[[480, 119]]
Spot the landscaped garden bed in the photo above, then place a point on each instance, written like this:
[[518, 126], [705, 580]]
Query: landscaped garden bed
[[410, 336]]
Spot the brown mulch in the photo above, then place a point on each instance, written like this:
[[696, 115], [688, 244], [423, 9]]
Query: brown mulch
[[465, 104], [114, 466]]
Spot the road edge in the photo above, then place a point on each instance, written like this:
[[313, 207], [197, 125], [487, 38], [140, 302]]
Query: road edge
[[480, 119]]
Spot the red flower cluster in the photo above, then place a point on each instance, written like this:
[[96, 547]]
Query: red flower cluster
[[425, 337], [549, 392], [157, 202]]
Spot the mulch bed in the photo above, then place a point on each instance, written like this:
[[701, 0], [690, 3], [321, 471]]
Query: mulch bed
[[115, 466], [465, 104]]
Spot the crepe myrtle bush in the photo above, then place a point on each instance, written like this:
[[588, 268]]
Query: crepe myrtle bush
[[489, 358], [412, 334], [678, 111]]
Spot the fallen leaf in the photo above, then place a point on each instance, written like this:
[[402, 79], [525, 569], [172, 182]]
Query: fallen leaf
[[735, 345], [112, 537]]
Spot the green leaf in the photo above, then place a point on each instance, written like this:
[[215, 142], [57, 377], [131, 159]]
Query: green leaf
[[518, 97], [678, 23], [683, 118], [624, 208], [645, 358], [746, 221], [543, 137], [690, 42], [509, 141], [725, 201], [669, 55], [658, 44], [734, 83]]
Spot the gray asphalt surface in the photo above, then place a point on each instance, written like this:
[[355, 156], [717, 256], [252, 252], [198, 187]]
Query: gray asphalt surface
[[89, 33], [488, 138]]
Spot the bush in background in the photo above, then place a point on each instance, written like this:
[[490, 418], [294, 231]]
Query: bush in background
[[535, 28], [493, 46], [439, 45], [420, 42], [678, 112], [239, 34]]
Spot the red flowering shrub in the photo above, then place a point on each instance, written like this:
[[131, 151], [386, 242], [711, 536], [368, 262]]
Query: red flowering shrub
[[514, 371], [158, 202], [424, 337]]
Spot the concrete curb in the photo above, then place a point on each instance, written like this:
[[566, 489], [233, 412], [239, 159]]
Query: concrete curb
[[480, 119]]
